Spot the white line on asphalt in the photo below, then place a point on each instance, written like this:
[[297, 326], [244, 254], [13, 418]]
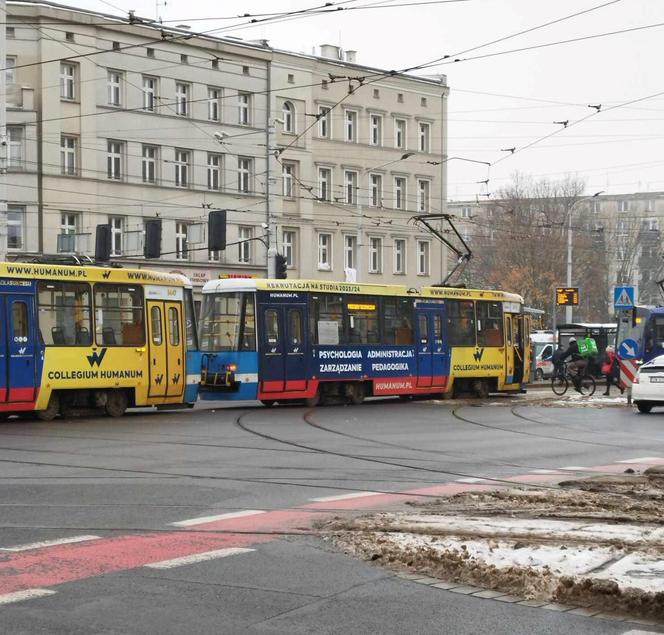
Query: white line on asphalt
[[28, 594], [574, 468], [543, 471], [208, 519], [640, 633], [341, 497], [470, 479], [198, 557], [643, 459], [50, 543]]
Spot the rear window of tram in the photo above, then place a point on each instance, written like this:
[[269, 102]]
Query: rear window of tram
[[64, 313]]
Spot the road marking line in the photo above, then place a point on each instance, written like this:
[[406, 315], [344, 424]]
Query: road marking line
[[198, 557], [341, 497], [544, 471], [28, 594], [50, 543], [470, 479], [208, 519], [643, 459], [575, 468]]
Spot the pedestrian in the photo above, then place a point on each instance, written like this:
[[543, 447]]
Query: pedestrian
[[577, 365], [611, 369]]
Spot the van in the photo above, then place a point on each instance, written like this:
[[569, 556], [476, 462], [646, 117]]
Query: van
[[543, 362]]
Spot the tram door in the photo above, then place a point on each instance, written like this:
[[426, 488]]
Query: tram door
[[509, 350], [17, 349], [166, 349], [432, 353], [282, 346]]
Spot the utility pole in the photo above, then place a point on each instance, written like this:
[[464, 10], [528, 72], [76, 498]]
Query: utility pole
[[569, 308], [272, 171], [4, 141]]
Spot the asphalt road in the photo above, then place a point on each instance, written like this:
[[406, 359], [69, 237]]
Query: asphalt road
[[241, 485]]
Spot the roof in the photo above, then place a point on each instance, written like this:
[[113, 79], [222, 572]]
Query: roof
[[320, 286]]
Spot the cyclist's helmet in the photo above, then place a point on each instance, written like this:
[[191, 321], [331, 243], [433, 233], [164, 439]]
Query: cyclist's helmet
[[572, 339]]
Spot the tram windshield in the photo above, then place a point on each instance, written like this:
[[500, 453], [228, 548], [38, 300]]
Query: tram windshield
[[228, 322]]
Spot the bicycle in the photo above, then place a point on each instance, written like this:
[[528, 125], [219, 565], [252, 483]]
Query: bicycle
[[562, 378]]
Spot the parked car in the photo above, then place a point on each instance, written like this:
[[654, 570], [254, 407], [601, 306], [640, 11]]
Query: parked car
[[648, 387]]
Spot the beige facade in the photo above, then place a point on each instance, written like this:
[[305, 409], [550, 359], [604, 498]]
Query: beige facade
[[118, 124]]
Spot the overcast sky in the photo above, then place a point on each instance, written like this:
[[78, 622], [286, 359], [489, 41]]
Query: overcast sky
[[619, 150]]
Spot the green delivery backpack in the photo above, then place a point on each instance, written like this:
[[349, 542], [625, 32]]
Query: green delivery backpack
[[587, 347]]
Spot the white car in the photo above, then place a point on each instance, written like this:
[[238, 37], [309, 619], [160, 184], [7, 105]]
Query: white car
[[648, 387]]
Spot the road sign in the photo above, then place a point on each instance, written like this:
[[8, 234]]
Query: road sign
[[567, 296], [628, 349], [623, 297]]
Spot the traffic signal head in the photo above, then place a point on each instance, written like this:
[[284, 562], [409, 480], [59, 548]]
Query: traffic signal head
[[217, 230], [103, 243], [281, 267], [152, 245]]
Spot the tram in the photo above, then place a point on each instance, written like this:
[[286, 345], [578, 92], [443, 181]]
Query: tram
[[82, 336], [312, 340]]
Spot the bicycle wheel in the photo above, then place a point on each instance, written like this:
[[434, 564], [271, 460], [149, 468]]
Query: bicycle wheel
[[588, 385], [559, 385]]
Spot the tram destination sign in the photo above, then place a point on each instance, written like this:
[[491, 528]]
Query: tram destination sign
[[567, 296]]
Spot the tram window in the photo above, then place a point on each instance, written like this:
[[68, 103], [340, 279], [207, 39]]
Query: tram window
[[272, 327], [489, 323], [190, 320], [327, 319], [423, 325], [295, 327], [220, 321], [173, 326], [155, 320], [64, 313], [437, 329], [397, 321], [119, 315], [461, 322], [248, 341], [20, 322], [362, 316]]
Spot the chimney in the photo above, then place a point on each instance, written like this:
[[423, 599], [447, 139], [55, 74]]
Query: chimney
[[351, 56], [330, 51]]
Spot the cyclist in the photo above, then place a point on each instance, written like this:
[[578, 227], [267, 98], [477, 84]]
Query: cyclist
[[577, 365]]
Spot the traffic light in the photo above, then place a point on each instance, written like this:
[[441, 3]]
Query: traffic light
[[152, 245], [281, 267], [217, 230], [103, 243]]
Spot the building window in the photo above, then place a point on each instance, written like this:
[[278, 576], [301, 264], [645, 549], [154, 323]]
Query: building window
[[423, 102], [288, 180], [244, 175], [288, 115], [68, 227], [350, 252], [623, 206], [15, 141], [400, 133], [181, 99], [425, 133], [288, 246], [350, 126], [149, 52], [184, 59], [215, 65], [350, 187], [181, 248], [117, 228], [243, 105], [11, 32], [244, 244], [67, 81], [114, 160], [422, 258], [324, 84], [650, 205], [324, 122], [214, 95], [149, 164], [400, 192], [149, 93], [68, 152], [116, 46], [423, 188], [376, 130], [376, 93], [10, 69], [400, 98], [325, 251], [291, 78], [181, 168], [466, 212], [375, 255], [15, 216], [324, 184], [376, 190], [245, 70], [114, 84], [652, 224], [399, 256], [69, 36], [214, 171]]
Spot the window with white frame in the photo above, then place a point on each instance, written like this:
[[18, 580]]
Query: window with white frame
[[375, 130], [288, 180], [213, 171], [399, 254], [149, 164], [423, 247], [243, 109], [68, 155], [375, 254], [623, 206], [181, 247], [114, 160], [622, 227], [400, 133], [67, 81], [596, 207], [376, 193], [117, 229], [652, 224], [181, 168], [621, 251], [423, 193], [149, 93], [213, 103], [325, 251], [68, 227], [244, 166], [15, 146], [288, 114], [244, 244], [400, 192], [425, 137], [350, 187], [15, 228], [288, 246], [324, 184], [350, 252], [650, 205], [324, 122], [114, 85], [182, 91], [10, 69], [350, 126], [466, 212]]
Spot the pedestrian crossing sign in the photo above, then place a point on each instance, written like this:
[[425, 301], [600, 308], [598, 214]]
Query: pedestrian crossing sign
[[623, 297]]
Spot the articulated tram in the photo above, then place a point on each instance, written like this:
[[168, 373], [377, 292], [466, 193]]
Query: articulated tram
[[79, 336], [311, 340]]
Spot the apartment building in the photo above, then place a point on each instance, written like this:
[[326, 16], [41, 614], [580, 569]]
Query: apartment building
[[115, 120]]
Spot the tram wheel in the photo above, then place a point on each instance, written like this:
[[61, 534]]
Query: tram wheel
[[355, 393], [268, 403], [116, 403], [481, 388], [316, 400], [52, 409]]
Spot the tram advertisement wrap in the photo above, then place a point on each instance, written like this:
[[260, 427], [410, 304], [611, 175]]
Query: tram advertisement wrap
[[351, 362]]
